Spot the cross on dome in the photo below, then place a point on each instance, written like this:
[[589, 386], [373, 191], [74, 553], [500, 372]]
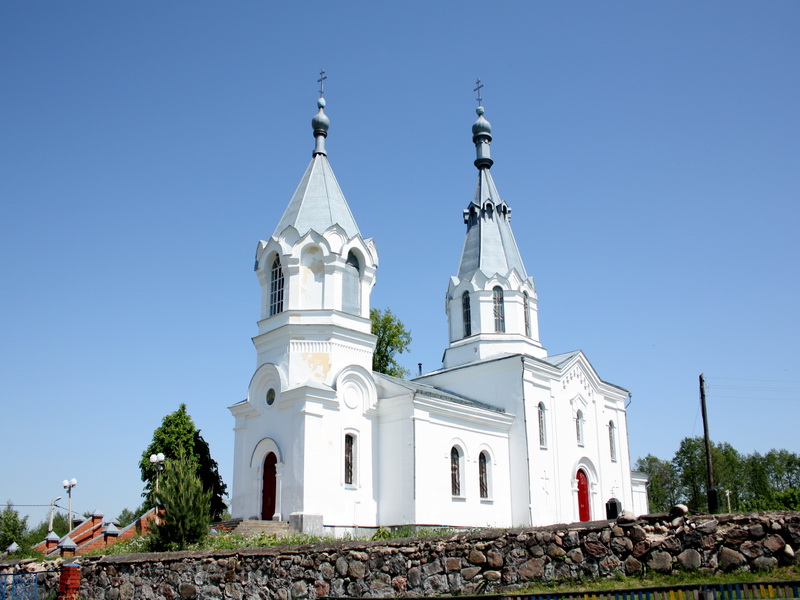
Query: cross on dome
[[479, 85]]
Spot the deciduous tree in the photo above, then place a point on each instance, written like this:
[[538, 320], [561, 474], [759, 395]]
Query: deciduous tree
[[12, 527], [662, 489], [393, 339]]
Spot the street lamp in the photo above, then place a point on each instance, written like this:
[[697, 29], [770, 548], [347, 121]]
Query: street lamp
[[157, 460], [68, 485], [52, 508]]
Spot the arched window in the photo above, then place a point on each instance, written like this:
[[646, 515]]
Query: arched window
[[483, 474], [612, 440], [579, 428], [349, 458], [499, 313], [351, 300], [465, 309], [526, 314], [276, 288], [542, 427], [455, 471]]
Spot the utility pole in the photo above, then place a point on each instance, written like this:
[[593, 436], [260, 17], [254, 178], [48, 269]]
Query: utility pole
[[713, 496]]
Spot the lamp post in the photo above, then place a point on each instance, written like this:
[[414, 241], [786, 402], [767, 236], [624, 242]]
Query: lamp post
[[157, 460], [68, 485], [52, 508]]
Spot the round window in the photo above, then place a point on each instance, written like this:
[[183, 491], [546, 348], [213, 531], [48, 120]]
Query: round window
[[270, 396]]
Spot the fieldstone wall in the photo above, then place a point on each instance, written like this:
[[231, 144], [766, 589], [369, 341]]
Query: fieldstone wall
[[464, 563]]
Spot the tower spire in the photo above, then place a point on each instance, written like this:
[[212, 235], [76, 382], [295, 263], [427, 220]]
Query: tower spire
[[320, 122]]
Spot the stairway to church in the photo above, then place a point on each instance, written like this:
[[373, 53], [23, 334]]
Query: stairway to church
[[253, 527]]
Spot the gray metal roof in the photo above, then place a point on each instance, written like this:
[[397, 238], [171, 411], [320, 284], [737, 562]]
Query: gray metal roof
[[318, 201], [434, 392], [489, 246]]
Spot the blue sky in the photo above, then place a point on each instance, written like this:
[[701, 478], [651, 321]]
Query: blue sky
[[650, 153]]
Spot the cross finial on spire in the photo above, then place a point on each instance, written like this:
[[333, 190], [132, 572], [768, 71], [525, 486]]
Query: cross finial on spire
[[479, 85], [321, 81]]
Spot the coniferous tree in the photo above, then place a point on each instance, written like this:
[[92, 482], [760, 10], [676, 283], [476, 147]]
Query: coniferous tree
[[178, 436], [182, 504]]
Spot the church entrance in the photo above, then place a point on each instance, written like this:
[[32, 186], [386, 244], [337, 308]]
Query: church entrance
[[268, 487], [584, 514]]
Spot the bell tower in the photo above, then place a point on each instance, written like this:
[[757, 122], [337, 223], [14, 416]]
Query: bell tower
[[491, 302], [316, 274]]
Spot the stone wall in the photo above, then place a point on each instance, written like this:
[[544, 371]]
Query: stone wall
[[464, 563]]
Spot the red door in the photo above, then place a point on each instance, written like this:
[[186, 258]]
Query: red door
[[268, 488], [584, 514]]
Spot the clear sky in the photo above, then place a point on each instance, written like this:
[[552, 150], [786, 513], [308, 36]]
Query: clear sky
[[650, 152]]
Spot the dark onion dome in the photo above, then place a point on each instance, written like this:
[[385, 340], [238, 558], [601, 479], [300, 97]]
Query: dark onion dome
[[481, 126], [321, 122]]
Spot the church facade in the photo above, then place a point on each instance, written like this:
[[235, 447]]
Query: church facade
[[502, 435]]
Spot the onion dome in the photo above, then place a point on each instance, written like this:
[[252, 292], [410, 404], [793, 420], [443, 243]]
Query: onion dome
[[481, 126], [320, 124]]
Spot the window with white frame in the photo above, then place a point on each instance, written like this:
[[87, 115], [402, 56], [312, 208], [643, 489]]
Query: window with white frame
[[467, 313], [579, 427], [542, 426], [612, 440], [351, 298], [455, 471], [526, 313], [499, 311], [483, 474], [276, 288], [349, 458]]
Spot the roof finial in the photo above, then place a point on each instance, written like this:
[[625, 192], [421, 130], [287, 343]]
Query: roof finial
[[481, 133], [479, 85], [320, 122]]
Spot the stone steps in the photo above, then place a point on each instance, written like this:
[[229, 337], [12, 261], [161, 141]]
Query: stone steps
[[253, 527]]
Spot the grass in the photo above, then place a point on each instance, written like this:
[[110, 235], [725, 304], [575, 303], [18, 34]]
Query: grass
[[233, 541], [622, 582]]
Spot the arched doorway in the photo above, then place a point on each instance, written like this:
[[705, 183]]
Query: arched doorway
[[268, 487], [584, 513]]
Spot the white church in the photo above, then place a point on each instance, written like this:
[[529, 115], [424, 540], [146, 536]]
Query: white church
[[502, 435]]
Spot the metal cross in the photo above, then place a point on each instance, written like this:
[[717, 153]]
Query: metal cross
[[478, 89], [321, 81]]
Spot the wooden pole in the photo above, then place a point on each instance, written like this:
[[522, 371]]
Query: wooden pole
[[713, 496]]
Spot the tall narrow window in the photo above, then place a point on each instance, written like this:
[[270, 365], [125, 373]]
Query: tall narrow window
[[527, 314], [351, 300], [455, 471], [276, 288], [483, 474], [499, 313], [349, 443], [465, 309], [579, 428], [542, 427], [612, 440]]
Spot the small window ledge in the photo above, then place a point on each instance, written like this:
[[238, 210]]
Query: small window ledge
[[459, 498]]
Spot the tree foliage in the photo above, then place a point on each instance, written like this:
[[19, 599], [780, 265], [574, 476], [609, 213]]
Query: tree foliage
[[663, 489], [38, 533], [178, 436], [183, 502], [393, 339], [751, 482], [128, 516], [12, 527]]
